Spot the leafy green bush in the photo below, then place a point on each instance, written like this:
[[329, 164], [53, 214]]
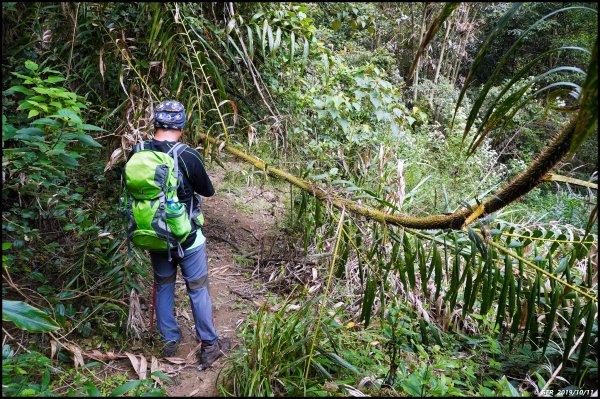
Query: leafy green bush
[[27, 374], [275, 350], [61, 231]]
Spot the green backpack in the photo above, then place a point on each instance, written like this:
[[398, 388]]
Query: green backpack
[[156, 218]]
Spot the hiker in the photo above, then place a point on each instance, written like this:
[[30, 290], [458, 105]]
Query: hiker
[[169, 119]]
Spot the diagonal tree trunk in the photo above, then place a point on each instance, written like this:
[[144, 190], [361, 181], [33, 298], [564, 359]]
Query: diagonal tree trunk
[[521, 185]]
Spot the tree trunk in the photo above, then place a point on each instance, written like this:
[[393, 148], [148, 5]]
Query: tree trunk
[[421, 36], [441, 59], [462, 45], [412, 35]]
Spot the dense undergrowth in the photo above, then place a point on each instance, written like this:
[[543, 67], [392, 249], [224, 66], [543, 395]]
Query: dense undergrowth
[[506, 307]]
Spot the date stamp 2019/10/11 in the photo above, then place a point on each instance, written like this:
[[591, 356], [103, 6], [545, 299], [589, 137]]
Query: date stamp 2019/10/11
[[566, 392]]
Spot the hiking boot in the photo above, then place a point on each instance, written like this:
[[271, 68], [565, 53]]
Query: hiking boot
[[211, 352], [170, 348]]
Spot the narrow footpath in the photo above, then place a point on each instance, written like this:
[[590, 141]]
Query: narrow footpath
[[241, 225]]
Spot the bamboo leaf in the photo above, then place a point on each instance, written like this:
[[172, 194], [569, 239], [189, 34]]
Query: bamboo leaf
[[250, 36], [437, 265], [128, 386], [264, 36], [368, 300], [480, 56], [476, 238], [531, 316], [277, 40], [574, 321], [486, 123], [514, 328], [587, 118], [271, 39], [589, 323], [512, 295], [305, 53], [409, 259], [574, 93], [422, 267], [320, 368], [556, 294], [454, 282], [506, 56], [504, 293], [467, 293], [337, 360], [488, 284]]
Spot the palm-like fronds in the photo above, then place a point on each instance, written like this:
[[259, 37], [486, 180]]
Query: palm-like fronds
[[500, 106]]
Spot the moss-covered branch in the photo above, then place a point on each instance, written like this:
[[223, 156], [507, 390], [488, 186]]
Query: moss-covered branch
[[521, 185], [564, 143]]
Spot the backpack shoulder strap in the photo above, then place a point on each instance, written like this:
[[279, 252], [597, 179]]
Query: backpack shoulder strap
[[138, 147], [175, 148], [174, 152]]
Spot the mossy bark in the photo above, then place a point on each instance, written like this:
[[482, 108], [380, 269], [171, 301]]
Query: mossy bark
[[521, 185]]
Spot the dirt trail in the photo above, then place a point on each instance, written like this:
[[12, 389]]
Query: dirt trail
[[241, 220]]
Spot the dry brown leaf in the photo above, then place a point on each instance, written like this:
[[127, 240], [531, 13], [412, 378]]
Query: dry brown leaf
[[292, 307], [96, 354], [154, 367], [251, 134], [134, 362], [121, 77], [47, 36], [177, 17], [235, 111], [113, 355], [101, 66], [114, 158], [53, 347], [314, 288], [191, 357], [77, 355], [175, 360], [184, 314], [195, 391], [143, 367], [163, 71]]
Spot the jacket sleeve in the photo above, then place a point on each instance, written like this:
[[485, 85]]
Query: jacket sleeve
[[197, 174]]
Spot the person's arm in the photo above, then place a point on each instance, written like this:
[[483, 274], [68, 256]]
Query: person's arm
[[197, 174]]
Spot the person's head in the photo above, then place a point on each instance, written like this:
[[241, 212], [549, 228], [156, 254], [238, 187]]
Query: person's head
[[169, 115]]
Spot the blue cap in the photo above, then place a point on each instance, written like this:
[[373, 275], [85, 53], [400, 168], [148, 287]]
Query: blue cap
[[169, 114]]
